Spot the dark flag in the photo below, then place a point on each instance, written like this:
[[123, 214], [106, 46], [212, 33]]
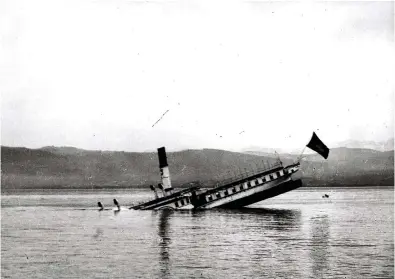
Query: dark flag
[[318, 146]]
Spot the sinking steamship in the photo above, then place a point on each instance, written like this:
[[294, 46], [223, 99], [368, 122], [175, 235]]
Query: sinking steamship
[[235, 193]]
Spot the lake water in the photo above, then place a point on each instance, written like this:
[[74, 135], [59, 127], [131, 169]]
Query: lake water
[[295, 235]]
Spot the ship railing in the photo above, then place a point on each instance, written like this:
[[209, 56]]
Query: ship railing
[[248, 174]]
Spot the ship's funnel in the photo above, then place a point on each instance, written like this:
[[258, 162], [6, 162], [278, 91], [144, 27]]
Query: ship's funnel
[[164, 171]]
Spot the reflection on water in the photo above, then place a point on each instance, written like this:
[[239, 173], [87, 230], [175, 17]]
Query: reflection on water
[[274, 212], [280, 238], [164, 242], [319, 250], [220, 233], [269, 218]]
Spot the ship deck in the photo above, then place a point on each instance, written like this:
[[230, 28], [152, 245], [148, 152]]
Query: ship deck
[[165, 198]]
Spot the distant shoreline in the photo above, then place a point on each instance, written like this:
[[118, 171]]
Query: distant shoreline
[[70, 169], [140, 187], [51, 190]]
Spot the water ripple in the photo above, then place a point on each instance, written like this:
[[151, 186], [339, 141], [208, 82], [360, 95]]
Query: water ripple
[[284, 237]]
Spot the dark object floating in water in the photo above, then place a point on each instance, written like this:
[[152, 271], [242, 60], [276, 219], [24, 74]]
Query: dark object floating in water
[[101, 207], [116, 203], [325, 196], [99, 204]]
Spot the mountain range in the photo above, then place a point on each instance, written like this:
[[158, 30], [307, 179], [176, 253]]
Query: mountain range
[[379, 146], [69, 167]]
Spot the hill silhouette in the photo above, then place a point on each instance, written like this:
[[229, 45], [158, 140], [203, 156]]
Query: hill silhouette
[[69, 167]]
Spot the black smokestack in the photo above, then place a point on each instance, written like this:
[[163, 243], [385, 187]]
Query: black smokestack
[[162, 157]]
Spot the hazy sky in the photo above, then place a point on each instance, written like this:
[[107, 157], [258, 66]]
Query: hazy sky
[[98, 74]]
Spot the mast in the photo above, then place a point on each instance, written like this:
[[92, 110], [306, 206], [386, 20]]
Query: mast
[[300, 156]]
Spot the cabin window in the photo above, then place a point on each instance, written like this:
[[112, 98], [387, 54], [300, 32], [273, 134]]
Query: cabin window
[[263, 179], [234, 190], [256, 182], [285, 171], [248, 184], [218, 195], [182, 202], [210, 198], [176, 204], [271, 176]]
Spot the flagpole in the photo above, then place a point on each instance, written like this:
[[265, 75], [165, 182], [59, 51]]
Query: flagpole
[[278, 156], [300, 156]]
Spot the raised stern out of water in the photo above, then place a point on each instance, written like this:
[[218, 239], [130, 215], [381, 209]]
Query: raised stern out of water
[[256, 187]]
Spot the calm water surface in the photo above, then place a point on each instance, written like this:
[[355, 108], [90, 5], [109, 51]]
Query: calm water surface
[[295, 235]]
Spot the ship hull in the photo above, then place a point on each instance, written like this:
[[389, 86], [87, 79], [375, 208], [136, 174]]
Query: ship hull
[[264, 194], [254, 195], [236, 192]]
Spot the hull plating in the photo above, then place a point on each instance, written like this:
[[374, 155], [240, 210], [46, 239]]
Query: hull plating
[[264, 194], [254, 195]]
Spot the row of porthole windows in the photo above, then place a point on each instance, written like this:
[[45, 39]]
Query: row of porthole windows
[[229, 191], [182, 202], [249, 185]]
